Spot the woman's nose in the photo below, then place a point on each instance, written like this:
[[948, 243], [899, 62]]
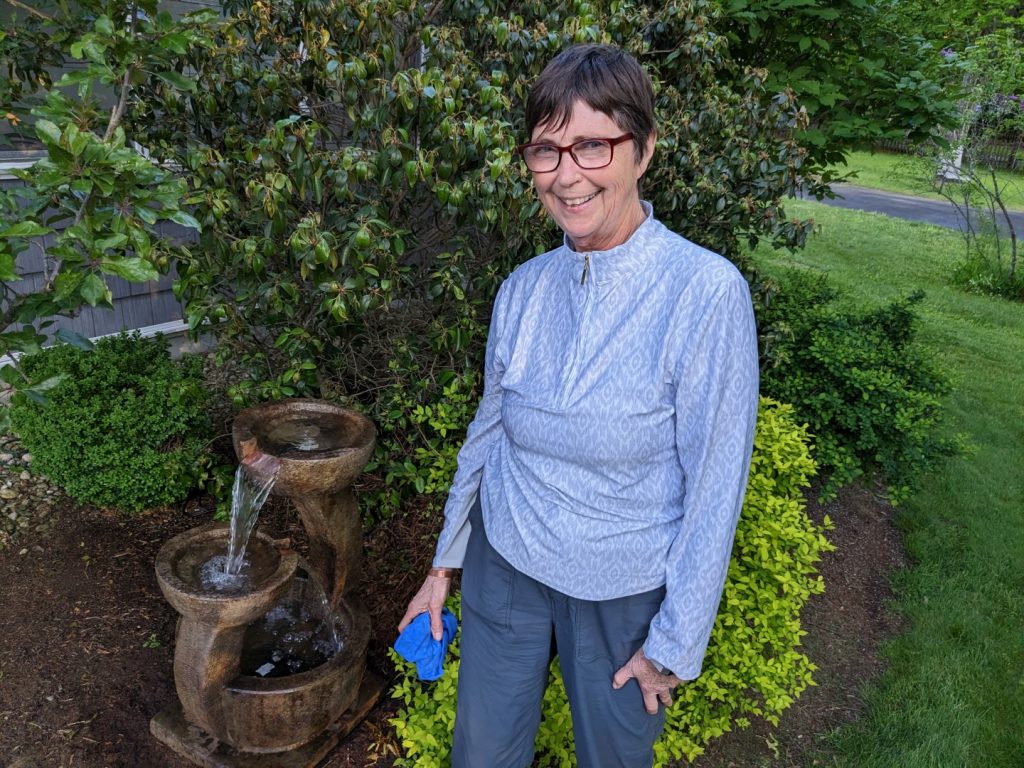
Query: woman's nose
[[567, 170]]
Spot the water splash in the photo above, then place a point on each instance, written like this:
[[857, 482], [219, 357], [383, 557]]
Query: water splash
[[214, 575]]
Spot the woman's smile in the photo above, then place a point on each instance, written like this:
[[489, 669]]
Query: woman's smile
[[576, 203]]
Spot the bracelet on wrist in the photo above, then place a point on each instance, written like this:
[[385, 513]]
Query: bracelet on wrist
[[444, 573]]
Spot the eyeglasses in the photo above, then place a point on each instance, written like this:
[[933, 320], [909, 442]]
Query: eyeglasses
[[589, 154]]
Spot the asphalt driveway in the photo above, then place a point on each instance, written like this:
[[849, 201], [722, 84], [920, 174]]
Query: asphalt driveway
[[940, 212]]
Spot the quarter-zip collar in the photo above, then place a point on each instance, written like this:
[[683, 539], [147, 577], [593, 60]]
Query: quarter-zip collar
[[605, 267]]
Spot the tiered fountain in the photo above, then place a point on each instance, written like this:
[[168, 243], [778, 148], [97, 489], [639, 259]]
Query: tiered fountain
[[243, 702]]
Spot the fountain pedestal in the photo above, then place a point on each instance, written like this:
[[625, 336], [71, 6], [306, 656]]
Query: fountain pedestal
[[226, 719]]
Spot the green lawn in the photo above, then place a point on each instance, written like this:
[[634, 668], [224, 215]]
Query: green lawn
[[953, 692], [911, 175]]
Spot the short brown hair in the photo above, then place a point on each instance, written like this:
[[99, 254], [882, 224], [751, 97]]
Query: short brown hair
[[606, 79]]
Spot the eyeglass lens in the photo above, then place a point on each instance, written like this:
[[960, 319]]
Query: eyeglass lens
[[589, 154]]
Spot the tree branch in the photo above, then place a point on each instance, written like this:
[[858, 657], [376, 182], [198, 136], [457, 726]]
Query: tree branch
[[116, 116], [1009, 223], [37, 13]]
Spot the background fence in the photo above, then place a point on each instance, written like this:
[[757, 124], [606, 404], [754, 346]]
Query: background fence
[[1007, 154]]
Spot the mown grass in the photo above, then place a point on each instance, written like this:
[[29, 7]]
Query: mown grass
[[953, 691], [910, 175]]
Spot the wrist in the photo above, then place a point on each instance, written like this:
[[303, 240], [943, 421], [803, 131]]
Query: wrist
[[661, 668], [444, 573]]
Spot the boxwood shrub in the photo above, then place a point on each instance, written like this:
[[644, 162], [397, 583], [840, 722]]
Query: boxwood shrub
[[124, 428], [754, 664], [872, 398]]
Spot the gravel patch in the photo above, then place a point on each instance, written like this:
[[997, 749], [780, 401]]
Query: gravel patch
[[26, 500]]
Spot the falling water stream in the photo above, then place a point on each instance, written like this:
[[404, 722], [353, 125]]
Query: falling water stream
[[252, 485], [300, 632]]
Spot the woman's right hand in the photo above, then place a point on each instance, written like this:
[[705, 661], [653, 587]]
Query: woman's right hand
[[429, 599]]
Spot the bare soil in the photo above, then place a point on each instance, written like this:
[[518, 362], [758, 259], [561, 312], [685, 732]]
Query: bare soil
[[86, 639]]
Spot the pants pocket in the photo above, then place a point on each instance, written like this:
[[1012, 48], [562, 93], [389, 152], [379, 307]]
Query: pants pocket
[[487, 578], [614, 629]]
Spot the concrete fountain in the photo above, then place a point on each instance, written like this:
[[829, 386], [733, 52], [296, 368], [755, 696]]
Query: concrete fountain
[[232, 712]]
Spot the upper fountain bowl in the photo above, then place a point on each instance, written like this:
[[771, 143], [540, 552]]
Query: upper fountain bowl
[[321, 446]]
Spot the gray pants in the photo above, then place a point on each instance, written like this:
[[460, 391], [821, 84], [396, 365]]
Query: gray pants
[[511, 627]]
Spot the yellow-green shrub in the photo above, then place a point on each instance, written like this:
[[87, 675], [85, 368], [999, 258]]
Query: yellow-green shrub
[[753, 665]]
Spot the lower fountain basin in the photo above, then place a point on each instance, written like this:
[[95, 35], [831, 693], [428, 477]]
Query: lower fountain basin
[[178, 571], [276, 714]]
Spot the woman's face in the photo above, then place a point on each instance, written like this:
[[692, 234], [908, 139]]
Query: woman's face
[[597, 209]]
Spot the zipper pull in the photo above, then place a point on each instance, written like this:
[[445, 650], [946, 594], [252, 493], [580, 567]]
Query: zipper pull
[[586, 268]]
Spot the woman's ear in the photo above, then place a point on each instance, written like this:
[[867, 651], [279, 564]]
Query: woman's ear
[[645, 161]]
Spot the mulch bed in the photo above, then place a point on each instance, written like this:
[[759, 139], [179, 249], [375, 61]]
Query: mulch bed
[[86, 639]]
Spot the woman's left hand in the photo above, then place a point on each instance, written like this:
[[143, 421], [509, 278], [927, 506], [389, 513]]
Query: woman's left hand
[[653, 684]]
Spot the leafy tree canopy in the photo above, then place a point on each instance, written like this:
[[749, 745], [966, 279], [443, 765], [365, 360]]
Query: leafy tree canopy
[[857, 71], [959, 24]]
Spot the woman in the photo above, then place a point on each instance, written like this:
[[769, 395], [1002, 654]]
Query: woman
[[598, 489]]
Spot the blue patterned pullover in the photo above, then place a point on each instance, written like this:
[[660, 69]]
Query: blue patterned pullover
[[611, 446]]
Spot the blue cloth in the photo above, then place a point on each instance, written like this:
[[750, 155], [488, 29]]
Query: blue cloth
[[611, 446], [415, 644]]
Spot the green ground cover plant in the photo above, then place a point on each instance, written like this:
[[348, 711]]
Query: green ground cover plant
[[124, 426], [952, 693], [754, 665]]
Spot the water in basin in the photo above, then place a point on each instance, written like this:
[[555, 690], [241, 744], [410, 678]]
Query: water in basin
[[293, 435], [297, 634]]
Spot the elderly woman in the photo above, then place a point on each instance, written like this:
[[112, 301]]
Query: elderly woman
[[597, 492]]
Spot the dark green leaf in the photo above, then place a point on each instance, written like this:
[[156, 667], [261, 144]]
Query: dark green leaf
[[67, 336], [185, 219], [8, 264], [177, 80], [93, 290], [133, 269], [25, 229], [111, 243]]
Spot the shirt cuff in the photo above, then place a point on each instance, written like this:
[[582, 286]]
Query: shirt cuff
[[455, 552], [658, 646]]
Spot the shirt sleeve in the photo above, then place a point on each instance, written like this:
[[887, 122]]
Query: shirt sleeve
[[483, 432], [716, 410]]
